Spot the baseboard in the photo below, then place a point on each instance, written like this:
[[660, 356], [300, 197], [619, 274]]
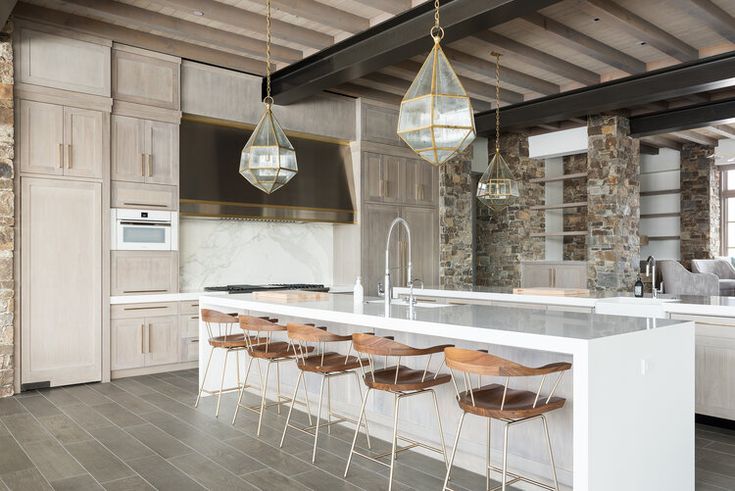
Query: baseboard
[[134, 372], [715, 421]]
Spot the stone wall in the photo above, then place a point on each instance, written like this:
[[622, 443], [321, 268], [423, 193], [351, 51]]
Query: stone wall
[[575, 219], [613, 204], [700, 203], [7, 213], [503, 238], [456, 197]]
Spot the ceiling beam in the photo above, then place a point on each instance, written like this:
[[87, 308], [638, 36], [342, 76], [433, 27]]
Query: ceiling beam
[[587, 45], [540, 58], [389, 42], [142, 19], [369, 93], [323, 14], [712, 15], [695, 137], [647, 149], [662, 142], [711, 73], [390, 6], [237, 17], [480, 66], [140, 39], [6, 7], [723, 130], [645, 31], [683, 118]]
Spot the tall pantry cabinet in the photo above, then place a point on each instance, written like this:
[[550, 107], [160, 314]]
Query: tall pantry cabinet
[[62, 191]]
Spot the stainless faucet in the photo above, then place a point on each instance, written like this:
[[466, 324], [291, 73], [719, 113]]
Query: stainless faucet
[[651, 268], [387, 287]]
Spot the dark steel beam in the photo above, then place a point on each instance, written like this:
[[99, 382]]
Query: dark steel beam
[[683, 118], [703, 75], [397, 39], [647, 149]]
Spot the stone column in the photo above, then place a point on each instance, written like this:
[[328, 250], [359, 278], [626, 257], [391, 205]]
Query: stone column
[[700, 203], [456, 195], [7, 213], [503, 238], [613, 204]]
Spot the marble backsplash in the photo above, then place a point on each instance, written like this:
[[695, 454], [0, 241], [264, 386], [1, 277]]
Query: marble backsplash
[[221, 252]]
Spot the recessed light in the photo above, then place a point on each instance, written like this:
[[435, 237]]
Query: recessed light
[[198, 13], [642, 43], [596, 19]]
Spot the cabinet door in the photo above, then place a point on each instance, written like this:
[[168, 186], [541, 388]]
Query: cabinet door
[[127, 349], [162, 144], [537, 275], [570, 276], [41, 146], [420, 184], [382, 177], [162, 343], [147, 80], [189, 337], [84, 136], [141, 272], [715, 368], [376, 219], [424, 223], [61, 281], [128, 149]]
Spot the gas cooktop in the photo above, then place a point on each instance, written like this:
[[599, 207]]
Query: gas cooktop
[[259, 288]]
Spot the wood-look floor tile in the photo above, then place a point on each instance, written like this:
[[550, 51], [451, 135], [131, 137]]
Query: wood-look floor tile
[[318, 480], [86, 395], [59, 398], [10, 405], [270, 480], [39, 406], [118, 414], [25, 480], [53, 460], [209, 474], [162, 475], [120, 443], [157, 440], [86, 416], [135, 483], [78, 483], [271, 456], [99, 461], [12, 457], [25, 428], [133, 386], [64, 429]]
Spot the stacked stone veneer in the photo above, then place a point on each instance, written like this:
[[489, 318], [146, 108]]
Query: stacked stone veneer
[[456, 195], [503, 238], [575, 219], [700, 203], [7, 213], [613, 204]]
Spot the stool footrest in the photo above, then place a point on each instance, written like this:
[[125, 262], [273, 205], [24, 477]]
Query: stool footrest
[[518, 477]]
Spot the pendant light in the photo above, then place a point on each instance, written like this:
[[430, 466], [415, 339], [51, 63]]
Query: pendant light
[[268, 160], [436, 118], [497, 187]]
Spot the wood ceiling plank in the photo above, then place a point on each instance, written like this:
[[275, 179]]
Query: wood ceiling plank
[[645, 31], [141, 39], [143, 19], [695, 137], [323, 14], [390, 6], [712, 15], [587, 45], [354, 90], [679, 121], [722, 130], [540, 58], [662, 141], [237, 17]]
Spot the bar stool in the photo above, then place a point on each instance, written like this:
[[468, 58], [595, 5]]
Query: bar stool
[[328, 365], [497, 401], [262, 347], [221, 337], [402, 382]]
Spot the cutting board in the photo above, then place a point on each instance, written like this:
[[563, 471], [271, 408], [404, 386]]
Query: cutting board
[[290, 296], [552, 292]]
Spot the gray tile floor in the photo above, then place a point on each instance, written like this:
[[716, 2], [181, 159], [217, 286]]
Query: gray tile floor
[[143, 433]]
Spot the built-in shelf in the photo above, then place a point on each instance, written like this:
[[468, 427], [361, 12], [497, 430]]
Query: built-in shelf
[[576, 204], [661, 192], [661, 215], [558, 234], [664, 237], [559, 178]]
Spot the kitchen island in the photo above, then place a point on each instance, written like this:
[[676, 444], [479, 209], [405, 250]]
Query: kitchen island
[[628, 422]]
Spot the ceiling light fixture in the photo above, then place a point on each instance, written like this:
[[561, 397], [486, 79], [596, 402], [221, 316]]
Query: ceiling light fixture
[[436, 118], [198, 13], [497, 186], [268, 160]]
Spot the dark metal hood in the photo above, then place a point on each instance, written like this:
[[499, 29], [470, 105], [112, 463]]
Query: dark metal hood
[[211, 186]]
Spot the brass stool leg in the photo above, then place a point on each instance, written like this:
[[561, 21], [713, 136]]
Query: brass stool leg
[[264, 389], [222, 383], [290, 407], [278, 387], [505, 456], [551, 453], [237, 366], [318, 418], [241, 391], [329, 406], [454, 450], [489, 449], [441, 429], [357, 430], [365, 422], [395, 441], [204, 380]]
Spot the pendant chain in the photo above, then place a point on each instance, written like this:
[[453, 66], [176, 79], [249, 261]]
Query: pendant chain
[[268, 51], [436, 13], [497, 101]]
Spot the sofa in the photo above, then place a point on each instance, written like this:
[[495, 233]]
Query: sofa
[[677, 280], [721, 268]]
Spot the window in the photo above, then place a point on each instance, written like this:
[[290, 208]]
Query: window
[[728, 211]]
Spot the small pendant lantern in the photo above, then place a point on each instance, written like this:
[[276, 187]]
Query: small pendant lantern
[[436, 118], [268, 160], [497, 187]]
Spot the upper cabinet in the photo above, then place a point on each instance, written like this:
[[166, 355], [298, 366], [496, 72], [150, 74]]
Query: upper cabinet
[[420, 186], [144, 150], [62, 140], [49, 57], [145, 77], [379, 124], [392, 179]]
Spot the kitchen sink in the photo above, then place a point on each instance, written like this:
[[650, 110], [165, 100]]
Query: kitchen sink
[[634, 306]]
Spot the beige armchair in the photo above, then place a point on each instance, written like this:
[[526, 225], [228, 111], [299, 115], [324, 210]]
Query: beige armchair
[[677, 280], [723, 269]]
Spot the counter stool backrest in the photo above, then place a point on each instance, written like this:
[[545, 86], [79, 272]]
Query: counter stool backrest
[[304, 336], [222, 322]]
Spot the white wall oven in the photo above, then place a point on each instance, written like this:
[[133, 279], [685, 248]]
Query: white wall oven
[[144, 230]]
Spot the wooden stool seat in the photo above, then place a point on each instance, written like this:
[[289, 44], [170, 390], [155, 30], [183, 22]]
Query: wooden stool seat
[[269, 351], [330, 362], [488, 401], [408, 379]]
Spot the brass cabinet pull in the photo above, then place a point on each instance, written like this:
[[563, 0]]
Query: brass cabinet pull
[[150, 167], [68, 156], [149, 337], [61, 155], [142, 165], [142, 340]]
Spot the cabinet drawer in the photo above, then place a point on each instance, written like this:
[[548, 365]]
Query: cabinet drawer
[[189, 308], [138, 195], [133, 310], [144, 272], [189, 326]]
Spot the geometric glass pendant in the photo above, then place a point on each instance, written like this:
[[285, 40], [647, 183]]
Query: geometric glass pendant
[[268, 160], [497, 187], [436, 118]]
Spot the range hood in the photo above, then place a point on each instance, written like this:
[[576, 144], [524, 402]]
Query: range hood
[[211, 186]]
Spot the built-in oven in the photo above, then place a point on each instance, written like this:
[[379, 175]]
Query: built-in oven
[[144, 230]]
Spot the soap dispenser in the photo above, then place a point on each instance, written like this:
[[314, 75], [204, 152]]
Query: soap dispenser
[[638, 289], [358, 293]]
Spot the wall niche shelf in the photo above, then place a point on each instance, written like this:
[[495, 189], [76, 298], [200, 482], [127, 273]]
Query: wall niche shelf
[[576, 204], [564, 177], [559, 234]]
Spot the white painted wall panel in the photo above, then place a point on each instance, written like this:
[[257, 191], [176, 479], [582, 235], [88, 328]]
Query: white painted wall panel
[[661, 249], [660, 226], [667, 159], [659, 173], [660, 181], [661, 203]]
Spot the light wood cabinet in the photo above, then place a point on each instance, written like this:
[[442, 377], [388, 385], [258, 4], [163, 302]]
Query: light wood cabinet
[[144, 150], [128, 149], [382, 177], [144, 77], [375, 222], [60, 280], [421, 184], [189, 337], [143, 272], [134, 195], [560, 274], [162, 145], [163, 340], [143, 342], [424, 223], [59, 140], [570, 276]]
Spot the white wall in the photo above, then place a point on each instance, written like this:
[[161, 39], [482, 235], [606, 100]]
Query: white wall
[[221, 252], [659, 173]]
